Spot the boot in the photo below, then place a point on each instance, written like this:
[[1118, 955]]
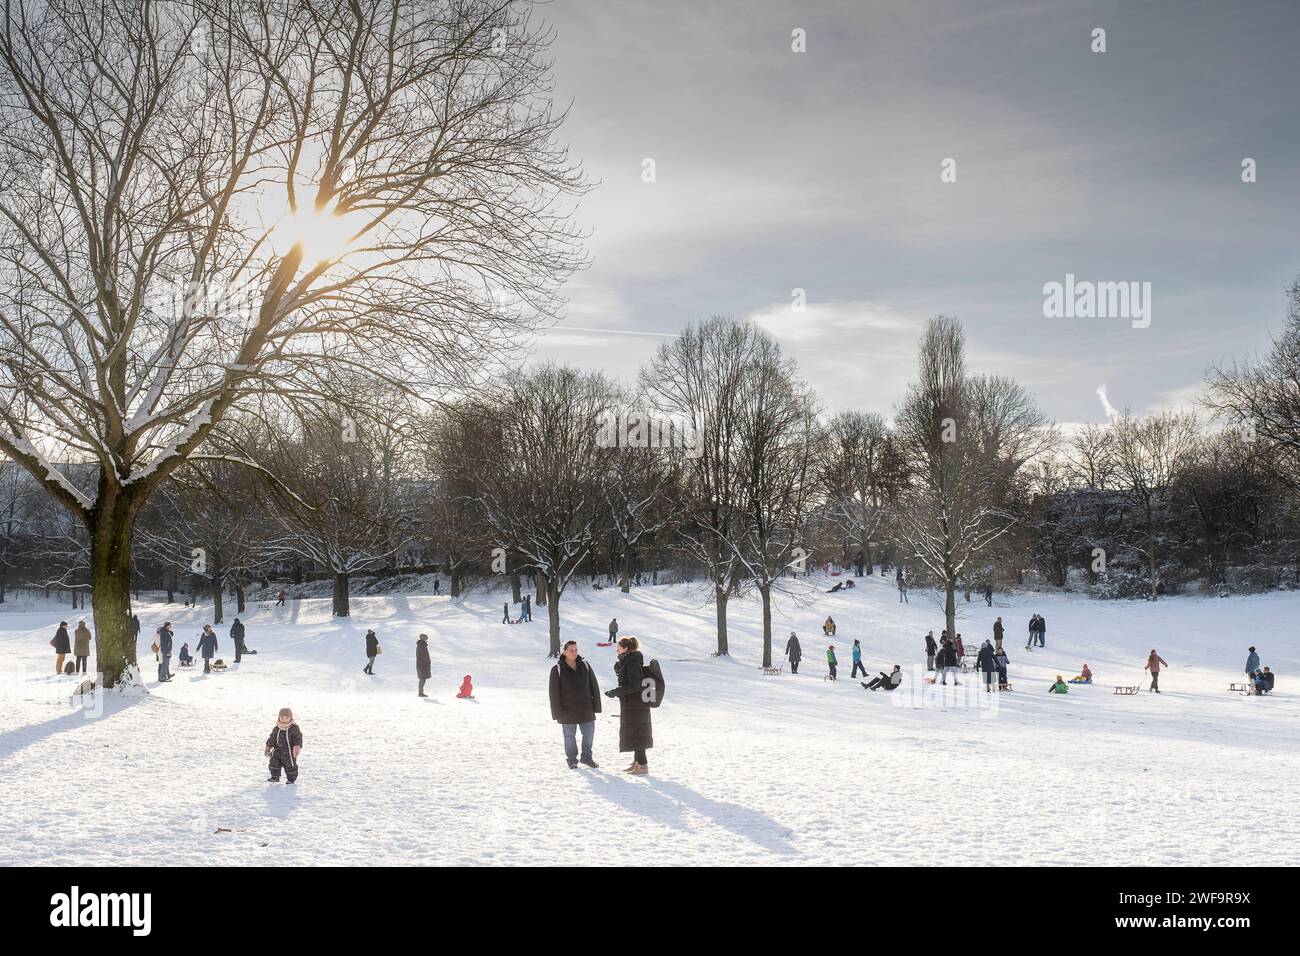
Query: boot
[[640, 770], [632, 768]]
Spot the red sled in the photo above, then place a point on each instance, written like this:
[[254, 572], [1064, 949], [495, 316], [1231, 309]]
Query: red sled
[[604, 643]]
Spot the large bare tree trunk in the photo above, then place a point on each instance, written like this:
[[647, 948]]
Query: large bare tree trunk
[[720, 605], [626, 583], [216, 590], [515, 596], [766, 591], [342, 608], [111, 528], [553, 617]]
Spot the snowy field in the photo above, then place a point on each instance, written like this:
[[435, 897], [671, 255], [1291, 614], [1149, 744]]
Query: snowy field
[[747, 768]]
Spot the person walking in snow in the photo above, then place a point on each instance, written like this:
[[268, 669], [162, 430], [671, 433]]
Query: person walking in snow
[[62, 646], [81, 646], [1042, 631], [423, 666], [948, 662], [930, 649], [435, 587], [526, 612], [831, 662], [885, 681], [135, 628], [613, 630], [237, 637], [984, 660], [857, 659], [960, 649], [1154, 663], [635, 728], [988, 594], [1002, 662], [902, 586], [794, 652], [281, 596], [505, 613], [997, 634], [283, 746], [372, 651], [575, 702], [1252, 663], [164, 646], [207, 647], [1033, 631]]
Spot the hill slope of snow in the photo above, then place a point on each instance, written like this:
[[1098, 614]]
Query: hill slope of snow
[[747, 768]]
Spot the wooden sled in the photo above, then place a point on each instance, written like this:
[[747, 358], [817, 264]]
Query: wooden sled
[[1126, 691], [1007, 687], [218, 665], [1241, 688], [773, 671]]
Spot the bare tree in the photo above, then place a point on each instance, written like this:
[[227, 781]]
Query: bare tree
[[778, 437], [1150, 456], [538, 472], [861, 473], [698, 378], [370, 184], [967, 439]]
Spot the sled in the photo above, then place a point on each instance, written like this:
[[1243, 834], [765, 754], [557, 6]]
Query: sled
[[1005, 687], [827, 678], [1126, 691], [1241, 688], [773, 671], [604, 643], [265, 606], [218, 665], [186, 664]]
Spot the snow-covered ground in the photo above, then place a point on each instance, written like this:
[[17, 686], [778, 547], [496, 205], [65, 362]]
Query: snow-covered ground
[[747, 768]]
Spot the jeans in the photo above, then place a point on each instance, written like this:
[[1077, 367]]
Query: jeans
[[832, 667], [1155, 681], [929, 661], [81, 663], [164, 667], [370, 665], [857, 666], [902, 597], [207, 665], [571, 739]]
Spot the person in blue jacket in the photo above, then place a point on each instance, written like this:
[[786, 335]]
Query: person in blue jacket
[[1252, 663], [207, 647], [857, 660]]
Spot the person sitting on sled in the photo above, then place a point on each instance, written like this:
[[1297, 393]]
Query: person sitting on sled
[[186, 658], [1060, 687], [1085, 676], [829, 627], [885, 681], [466, 689]]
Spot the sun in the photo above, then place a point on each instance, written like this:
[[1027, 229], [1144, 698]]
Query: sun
[[324, 234]]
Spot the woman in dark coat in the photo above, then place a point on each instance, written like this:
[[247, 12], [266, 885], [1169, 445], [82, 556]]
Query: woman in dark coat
[[423, 666], [62, 645], [635, 732], [372, 651], [984, 660], [207, 647]]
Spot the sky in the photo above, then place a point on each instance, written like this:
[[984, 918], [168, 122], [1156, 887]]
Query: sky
[[777, 170]]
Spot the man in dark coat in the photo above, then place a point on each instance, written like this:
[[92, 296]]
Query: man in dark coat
[[165, 652], [575, 702], [372, 651], [237, 636], [930, 649], [62, 645], [984, 661], [885, 681], [794, 652], [948, 661], [635, 730], [1042, 631], [998, 631], [423, 666]]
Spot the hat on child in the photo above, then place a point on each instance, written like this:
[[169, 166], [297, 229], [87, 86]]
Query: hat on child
[[285, 714]]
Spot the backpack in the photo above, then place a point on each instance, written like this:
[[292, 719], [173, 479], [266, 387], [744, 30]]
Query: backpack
[[653, 673]]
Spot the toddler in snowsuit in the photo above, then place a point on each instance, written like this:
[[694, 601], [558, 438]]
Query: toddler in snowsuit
[[283, 746]]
